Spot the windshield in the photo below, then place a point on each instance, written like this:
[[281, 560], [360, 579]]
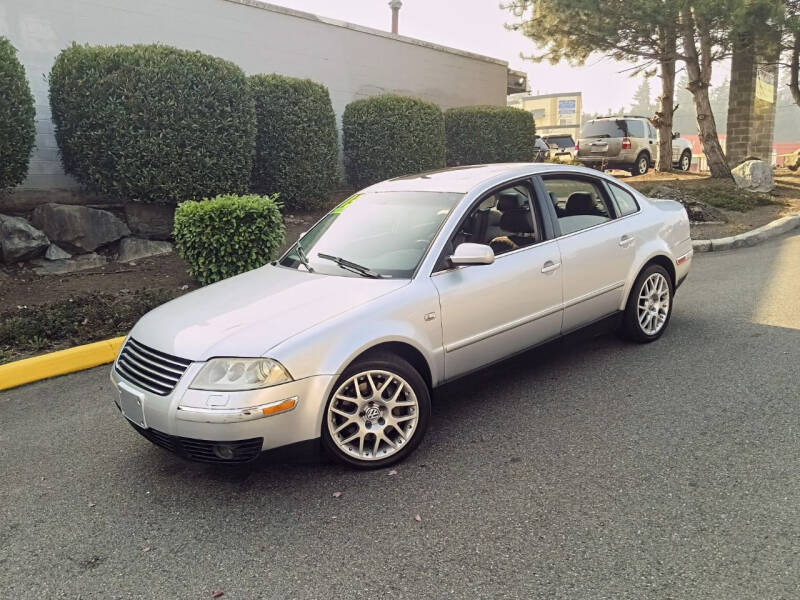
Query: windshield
[[387, 233], [605, 129]]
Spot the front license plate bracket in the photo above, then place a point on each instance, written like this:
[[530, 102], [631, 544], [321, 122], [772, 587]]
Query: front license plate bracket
[[132, 407]]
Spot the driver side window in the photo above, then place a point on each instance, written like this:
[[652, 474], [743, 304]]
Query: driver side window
[[503, 220]]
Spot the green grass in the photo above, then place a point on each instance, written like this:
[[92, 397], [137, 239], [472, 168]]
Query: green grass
[[720, 194], [73, 321]]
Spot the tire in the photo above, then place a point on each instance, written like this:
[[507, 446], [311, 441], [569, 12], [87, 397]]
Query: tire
[[685, 161], [641, 165], [635, 321], [354, 418]]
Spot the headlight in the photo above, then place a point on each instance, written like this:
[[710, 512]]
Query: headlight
[[237, 374]]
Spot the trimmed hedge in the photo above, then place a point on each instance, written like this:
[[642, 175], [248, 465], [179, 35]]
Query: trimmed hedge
[[489, 134], [296, 142], [387, 136], [227, 235], [17, 129], [152, 122]]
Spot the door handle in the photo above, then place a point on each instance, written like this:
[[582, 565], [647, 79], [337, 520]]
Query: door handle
[[550, 266], [626, 240]]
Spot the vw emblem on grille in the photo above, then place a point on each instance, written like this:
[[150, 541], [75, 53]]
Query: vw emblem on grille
[[372, 413]]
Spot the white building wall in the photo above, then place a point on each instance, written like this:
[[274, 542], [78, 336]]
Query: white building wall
[[352, 61]]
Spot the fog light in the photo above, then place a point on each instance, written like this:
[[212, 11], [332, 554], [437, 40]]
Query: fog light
[[223, 451]]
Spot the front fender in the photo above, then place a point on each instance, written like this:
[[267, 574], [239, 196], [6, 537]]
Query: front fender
[[329, 347]]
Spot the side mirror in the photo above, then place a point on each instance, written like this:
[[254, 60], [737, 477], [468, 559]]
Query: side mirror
[[472, 254], [675, 135]]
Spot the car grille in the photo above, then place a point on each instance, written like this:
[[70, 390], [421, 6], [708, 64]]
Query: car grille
[[203, 450], [150, 369]]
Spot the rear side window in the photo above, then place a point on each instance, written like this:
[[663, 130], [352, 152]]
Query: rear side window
[[561, 141], [626, 203], [604, 129], [635, 129], [579, 203]]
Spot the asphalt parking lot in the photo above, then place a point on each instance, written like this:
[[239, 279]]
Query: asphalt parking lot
[[598, 470]]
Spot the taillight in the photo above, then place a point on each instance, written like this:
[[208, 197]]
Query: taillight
[[626, 143], [577, 146]]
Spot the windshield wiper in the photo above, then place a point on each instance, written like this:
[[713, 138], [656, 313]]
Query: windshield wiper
[[351, 266], [301, 254]]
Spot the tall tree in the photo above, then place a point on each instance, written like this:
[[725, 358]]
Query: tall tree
[[685, 119], [642, 104], [791, 45], [701, 33], [642, 33]]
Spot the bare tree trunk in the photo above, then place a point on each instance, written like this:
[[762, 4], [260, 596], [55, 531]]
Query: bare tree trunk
[[698, 67], [794, 69], [663, 120]]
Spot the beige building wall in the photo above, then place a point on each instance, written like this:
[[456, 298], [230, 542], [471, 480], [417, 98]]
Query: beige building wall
[[353, 61], [553, 113]]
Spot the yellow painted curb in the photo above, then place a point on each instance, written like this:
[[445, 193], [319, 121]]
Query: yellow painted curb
[[59, 363]]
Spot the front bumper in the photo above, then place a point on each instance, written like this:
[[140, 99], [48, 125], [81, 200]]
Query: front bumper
[[205, 416]]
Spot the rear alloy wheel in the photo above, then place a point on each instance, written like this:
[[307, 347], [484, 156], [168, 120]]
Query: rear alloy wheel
[[377, 413], [641, 165], [686, 161], [649, 305]]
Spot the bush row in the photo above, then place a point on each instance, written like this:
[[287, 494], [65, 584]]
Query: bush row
[[152, 122], [16, 118], [157, 123]]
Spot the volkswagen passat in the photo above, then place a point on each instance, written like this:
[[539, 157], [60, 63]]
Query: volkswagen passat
[[405, 285]]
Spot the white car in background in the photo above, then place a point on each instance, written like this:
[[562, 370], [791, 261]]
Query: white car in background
[[404, 286], [562, 146]]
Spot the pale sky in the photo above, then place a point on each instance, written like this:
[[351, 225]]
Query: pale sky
[[477, 26]]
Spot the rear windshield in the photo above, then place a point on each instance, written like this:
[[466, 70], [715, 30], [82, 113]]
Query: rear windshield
[[562, 141], [605, 129]]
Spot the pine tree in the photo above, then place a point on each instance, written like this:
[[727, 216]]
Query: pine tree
[[642, 105]]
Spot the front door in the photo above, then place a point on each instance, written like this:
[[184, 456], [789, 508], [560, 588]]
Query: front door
[[493, 311]]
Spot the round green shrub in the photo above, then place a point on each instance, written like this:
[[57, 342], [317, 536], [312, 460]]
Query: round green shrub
[[227, 235], [489, 134], [17, 129], [152, 122], [296, 141], [387, 136]]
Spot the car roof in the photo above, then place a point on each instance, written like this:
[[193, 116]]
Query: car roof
[[463, 179]]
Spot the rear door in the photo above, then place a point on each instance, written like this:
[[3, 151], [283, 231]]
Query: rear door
[[597, 244]]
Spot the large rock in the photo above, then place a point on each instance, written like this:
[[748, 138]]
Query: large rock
[[78, 229], [131, 248], [754, 176], [152, 221], [64, 266], [19, 240], [56, 253]]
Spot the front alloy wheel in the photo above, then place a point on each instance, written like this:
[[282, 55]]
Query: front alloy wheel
[[377, 413]]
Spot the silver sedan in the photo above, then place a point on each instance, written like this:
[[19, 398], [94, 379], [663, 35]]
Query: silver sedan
[[404, 286]]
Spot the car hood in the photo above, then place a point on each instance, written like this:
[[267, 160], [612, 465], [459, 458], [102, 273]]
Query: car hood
[[248, 314]]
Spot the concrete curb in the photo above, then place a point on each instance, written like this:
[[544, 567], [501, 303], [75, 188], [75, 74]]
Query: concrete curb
[[750, 238], [59, 363]]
